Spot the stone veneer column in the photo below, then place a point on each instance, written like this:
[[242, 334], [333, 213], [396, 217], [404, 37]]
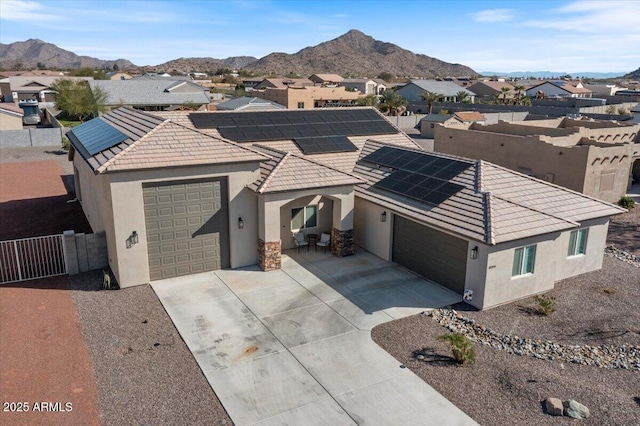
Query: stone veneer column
[[269, 254], [342, 242]]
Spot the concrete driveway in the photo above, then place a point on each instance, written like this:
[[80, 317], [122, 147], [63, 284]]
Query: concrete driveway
[[293, 346]]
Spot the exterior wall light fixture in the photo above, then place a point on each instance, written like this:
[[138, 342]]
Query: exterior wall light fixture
[[383, 217], [474, 253], [240, 223], [133, 239]]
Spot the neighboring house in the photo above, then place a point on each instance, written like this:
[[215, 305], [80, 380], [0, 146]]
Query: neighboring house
[[559, 89], [152, 94], [282, 83], [309, 96], [15, 89], [363, 85], [603, 89], [119, 75], [177, 194], [10, 116], [591, 157], [470, 117], [636, 113], [492, 89], [412, 90], [246, 103], [429, 121], [162, 77], [250, 83], [328, 80]]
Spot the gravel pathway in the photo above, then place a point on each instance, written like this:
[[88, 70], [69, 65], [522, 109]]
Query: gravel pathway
[[624, 231], [145, 373], [500, 388], [39, 153]]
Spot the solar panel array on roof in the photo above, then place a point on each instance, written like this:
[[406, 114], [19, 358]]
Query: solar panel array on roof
[[278, 125], [95, 136], [419, 176], [325, 144]]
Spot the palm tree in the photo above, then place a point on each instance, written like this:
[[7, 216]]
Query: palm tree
[[462, 96], [504, 92], [519, 95], [392, 102], [430, 98]]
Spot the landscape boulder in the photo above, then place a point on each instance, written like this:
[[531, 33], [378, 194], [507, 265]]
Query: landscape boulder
[[554, 406], [574, 409]]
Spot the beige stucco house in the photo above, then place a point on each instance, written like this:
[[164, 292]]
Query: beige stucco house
[[588, 156], [308, 97], [10, 116], [179, 193]]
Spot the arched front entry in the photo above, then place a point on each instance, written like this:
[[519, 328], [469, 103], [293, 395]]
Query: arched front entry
[[309, 211]]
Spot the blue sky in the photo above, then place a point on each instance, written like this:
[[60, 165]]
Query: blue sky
[[566, 36]]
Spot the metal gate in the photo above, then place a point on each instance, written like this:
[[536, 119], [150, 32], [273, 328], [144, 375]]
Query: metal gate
[[31, 258]]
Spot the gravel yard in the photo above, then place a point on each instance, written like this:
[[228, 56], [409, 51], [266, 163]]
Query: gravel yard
[[624, 231], [144, 371], [499, 388]]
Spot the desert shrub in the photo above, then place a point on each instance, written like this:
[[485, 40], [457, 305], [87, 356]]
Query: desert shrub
[[461, 347], [65, 143], [626, 202], [546, 304]]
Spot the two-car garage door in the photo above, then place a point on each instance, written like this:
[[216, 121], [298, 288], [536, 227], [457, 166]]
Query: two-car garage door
[[187, 226], [433, 254]]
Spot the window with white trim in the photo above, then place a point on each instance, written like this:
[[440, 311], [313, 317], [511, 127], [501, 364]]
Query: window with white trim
[[523, 261], [304, 217], [578, 242]]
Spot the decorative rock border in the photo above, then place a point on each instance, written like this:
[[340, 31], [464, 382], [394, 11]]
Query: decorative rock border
[[605, 356], [623, 255]]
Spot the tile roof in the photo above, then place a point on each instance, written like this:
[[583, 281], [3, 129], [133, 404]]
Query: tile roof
[[249, 103], [154, 142], [469, 116], [495, 205], [331, 78], [150, 92], [445, 88], [495, 85], [12, 108], [285, 171]]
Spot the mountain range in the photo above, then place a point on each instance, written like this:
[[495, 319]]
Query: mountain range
[[352, 54], [550, 74]]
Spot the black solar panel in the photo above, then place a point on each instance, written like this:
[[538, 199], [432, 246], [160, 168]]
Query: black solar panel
[[275, 125], [325, 144], [416, 175], [96, 135]]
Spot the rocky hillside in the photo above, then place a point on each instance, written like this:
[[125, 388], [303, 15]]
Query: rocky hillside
[[185, 65], [633, 75], [37, 53], [359, 55]]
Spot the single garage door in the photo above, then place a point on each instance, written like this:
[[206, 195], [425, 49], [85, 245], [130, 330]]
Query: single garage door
[[434, 255], [187, 226]]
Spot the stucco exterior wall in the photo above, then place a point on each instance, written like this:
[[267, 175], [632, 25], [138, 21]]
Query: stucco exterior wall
[[324, 218], [370, 233], [569, 266], [10, 122], [568, 165], [616, 160], [494, 265], [290, 97], [131, 266]]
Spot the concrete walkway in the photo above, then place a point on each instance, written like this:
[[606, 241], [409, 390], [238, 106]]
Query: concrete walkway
[[293, 346]]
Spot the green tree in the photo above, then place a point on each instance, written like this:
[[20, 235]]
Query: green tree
[[369, 100], [77, 100], [462, 96], [89, 72], [240, 90], [392, 102], [386, 76], [430, 98], [504, 91], [519, 94]]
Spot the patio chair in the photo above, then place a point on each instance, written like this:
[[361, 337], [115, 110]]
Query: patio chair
[[299, 241], [325, 241]]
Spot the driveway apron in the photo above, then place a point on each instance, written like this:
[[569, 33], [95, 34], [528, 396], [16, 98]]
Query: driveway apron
[[293, 346]]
